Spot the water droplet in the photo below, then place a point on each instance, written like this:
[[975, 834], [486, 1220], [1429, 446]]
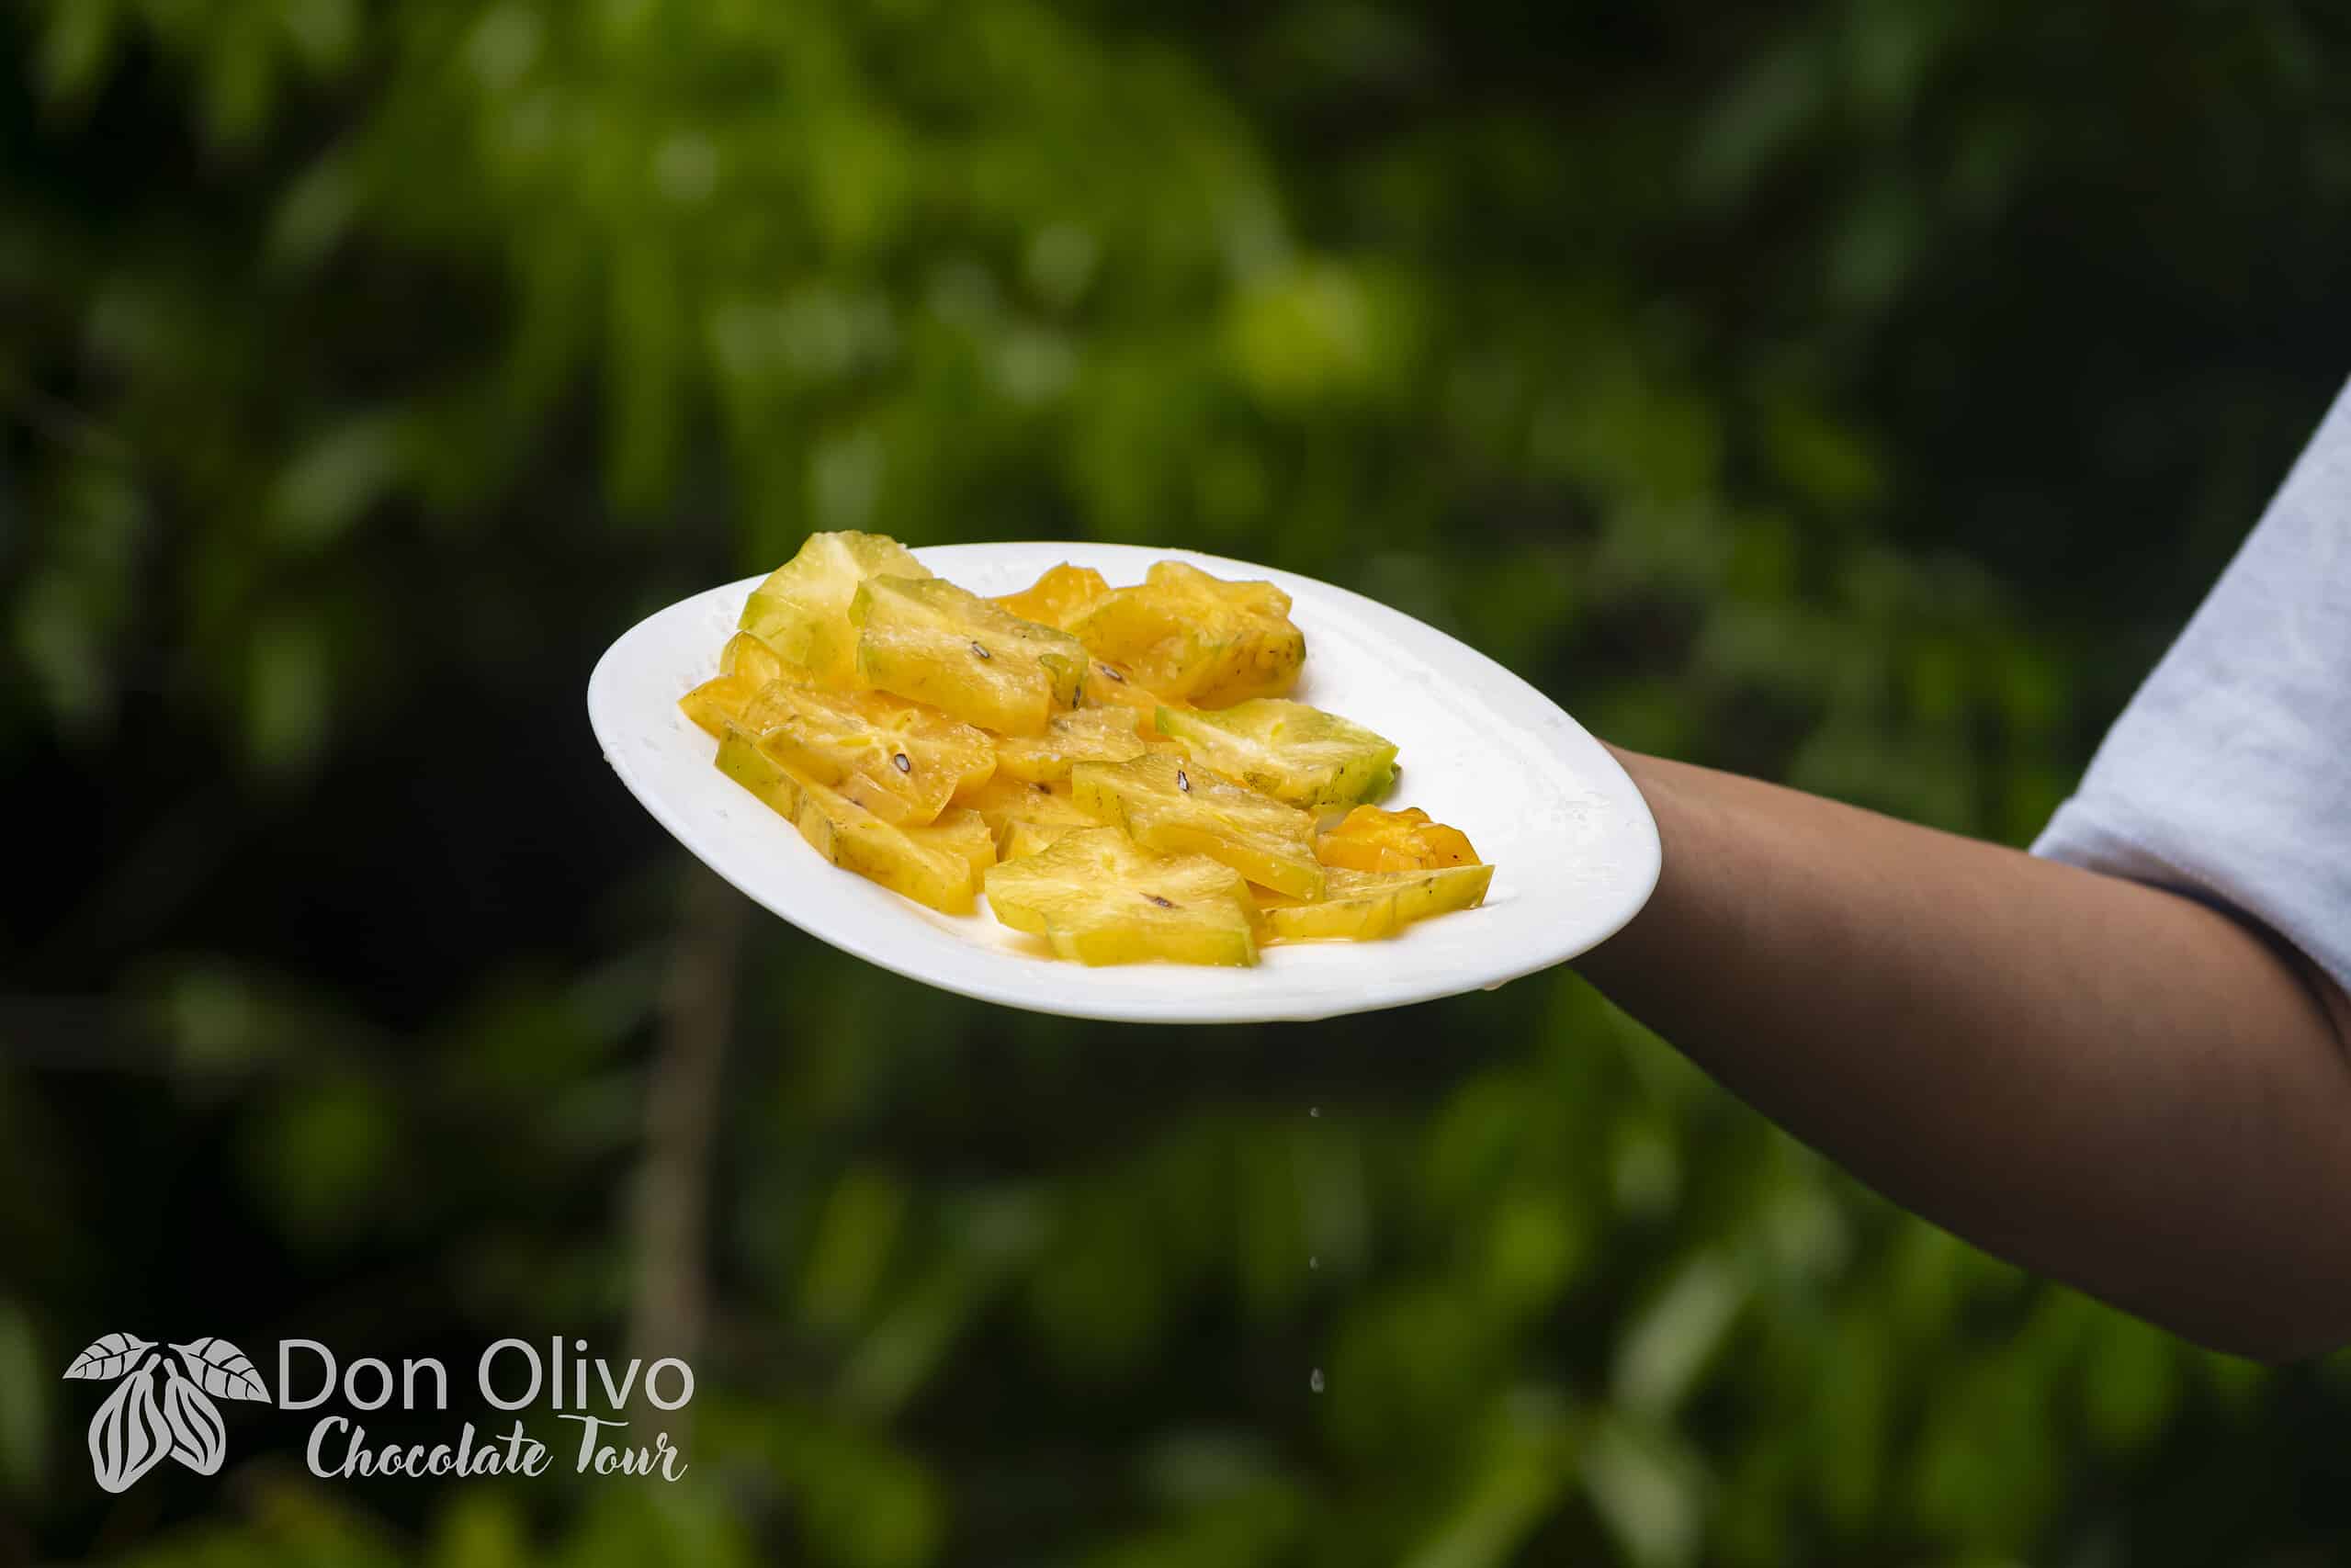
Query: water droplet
[[1314, 1262], [1314, 1110], [1315, 1382]]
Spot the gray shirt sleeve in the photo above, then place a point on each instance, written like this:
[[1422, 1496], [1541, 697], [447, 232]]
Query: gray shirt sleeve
[[2229, 775]]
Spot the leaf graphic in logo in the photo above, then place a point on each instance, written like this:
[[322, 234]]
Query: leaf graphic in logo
[[129, 1436], [219, 1368], [109, 1357], [197, 1432]]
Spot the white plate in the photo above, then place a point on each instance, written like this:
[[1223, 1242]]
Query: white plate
[[1574, 848]]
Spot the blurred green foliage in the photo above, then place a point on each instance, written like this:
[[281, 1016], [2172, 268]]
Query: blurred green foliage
[[1855, 394]]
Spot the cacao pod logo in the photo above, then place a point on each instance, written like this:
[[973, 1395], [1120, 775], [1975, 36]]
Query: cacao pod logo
[[162, 1404], [127, 1434]]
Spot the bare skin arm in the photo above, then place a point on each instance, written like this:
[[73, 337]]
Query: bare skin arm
[[2101, 1081]]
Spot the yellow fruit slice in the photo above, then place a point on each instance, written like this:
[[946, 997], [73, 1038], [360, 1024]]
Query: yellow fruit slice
[[746, 655], [939, 866], [1364, 906], [718, 702], [1089, 734], [1197, 638], [1058, 597], [929, 641], [741, 760], [745, 665], [1027, 838], [900, 761], [964, 832], [1111, 685], [1003, 802], [1368, 839], [1178, 809], [802, 610], [1099, 898], [1293, 753], [1002, 798]]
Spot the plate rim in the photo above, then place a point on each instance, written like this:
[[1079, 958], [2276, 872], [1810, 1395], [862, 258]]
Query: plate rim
[[1173, 1009]]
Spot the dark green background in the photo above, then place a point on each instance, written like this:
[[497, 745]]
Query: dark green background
[[1856, 394]]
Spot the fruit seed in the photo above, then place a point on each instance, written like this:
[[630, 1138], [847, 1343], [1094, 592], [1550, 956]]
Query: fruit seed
[[905, 764], [979, 650], [1183, 781]]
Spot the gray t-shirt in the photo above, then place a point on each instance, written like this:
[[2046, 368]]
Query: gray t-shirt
[[2229, 775]]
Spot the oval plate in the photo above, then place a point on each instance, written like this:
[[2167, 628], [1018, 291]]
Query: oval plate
[[1574, 848]]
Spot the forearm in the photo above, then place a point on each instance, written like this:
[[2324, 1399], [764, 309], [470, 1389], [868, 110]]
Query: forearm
[[2099, 1080]]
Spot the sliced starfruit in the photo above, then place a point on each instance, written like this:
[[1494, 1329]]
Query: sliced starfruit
[[1169, 805], [1022, 838], [929, 641], [1063, 594], [1088, 735], [938, 865], [1004, 802], [802, 610], [1364, 906], [741, 760], [1197, 638], [1097, 898], [1058, 597], [899, 760], [961, 831], [1110, 685], [746, 655], [1293, 753], [1368, 839], [718, 702]]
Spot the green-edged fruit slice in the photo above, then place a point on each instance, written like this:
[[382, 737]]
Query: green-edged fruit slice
[[1362, 906], [938, 865], [929, 641], [1178, 807], [1097, 898], [1297, 754], [802, 610]]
